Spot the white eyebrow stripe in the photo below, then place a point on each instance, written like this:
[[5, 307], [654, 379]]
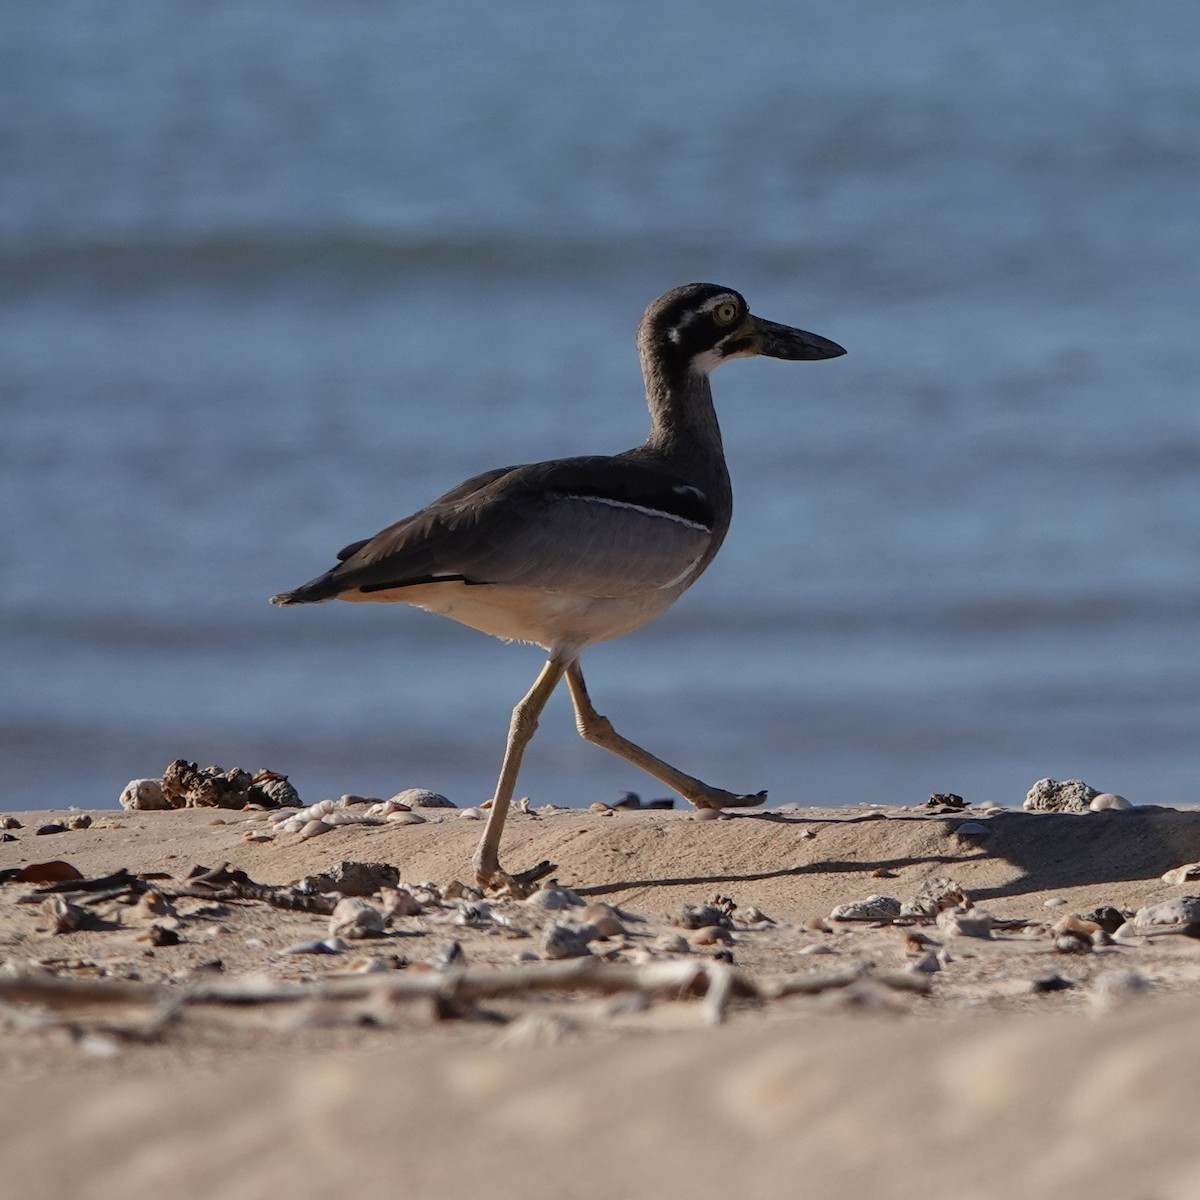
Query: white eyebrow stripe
[[649, 512]]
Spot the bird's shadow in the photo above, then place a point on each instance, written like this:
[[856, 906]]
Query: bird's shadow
[[1049, 850]]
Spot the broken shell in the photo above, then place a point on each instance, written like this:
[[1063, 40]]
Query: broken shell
[[873, 908], [144, 794], [355, 918], [404, 818], [566, 941]]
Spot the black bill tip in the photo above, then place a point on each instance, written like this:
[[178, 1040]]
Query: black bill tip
[[782, 341]]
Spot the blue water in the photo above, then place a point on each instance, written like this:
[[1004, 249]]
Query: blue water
[[272, 275]]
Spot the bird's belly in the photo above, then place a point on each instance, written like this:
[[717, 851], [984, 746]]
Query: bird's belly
[[555, 620]]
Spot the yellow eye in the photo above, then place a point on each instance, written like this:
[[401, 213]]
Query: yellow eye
[[725, 314]]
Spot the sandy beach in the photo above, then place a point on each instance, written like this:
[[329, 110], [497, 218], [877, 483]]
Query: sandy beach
[[675, 1011]]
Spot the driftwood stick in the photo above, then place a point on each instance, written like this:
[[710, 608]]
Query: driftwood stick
[[719, 983]]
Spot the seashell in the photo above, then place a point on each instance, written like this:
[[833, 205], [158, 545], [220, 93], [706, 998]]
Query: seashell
[[422, 798], [706, 814], [711, 935], [471, 814], [1188, 873], [1053, 902], [1182, 910], [818, 948], [7, 822], [79, 821], [399, 902], [349, 799], [314, 829], [972, 829], [404, 818], [599, 807], [1108, 802], [257, 835], [355, 918], [965, 923], [873, 908], [566, 941], [457, 890], [673, 943], [48, 829], [552, 897], [144, 795], [603, 918], [151, 904], [55, 871]]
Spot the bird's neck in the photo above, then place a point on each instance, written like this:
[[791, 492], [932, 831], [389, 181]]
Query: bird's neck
[[683, 421], [684, 432]]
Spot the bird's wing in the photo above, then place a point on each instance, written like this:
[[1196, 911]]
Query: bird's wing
[[590, 526]]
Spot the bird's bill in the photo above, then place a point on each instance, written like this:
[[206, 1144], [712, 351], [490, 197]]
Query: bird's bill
[[782, 341]]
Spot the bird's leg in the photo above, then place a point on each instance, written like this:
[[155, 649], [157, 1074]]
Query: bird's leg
[[599, 730], [524, 721]]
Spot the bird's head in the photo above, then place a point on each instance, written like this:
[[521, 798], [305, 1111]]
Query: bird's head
[[700, 325]]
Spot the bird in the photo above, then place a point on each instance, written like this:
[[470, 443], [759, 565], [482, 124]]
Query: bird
[[573, 551]]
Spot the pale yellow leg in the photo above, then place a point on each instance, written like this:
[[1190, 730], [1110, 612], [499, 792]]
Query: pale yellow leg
[[599, 730], [486, 862]]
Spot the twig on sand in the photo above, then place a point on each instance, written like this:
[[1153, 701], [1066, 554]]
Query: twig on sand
[[453, 991]]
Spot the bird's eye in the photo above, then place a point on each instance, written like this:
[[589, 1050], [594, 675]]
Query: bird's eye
[[726, 313]]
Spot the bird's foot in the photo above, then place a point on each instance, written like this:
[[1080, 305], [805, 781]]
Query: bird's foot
[[498, 881], [718, 798]]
